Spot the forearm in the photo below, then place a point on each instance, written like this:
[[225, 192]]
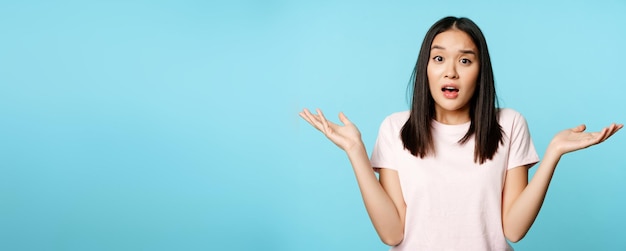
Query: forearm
[[379, 205], [524, 210]]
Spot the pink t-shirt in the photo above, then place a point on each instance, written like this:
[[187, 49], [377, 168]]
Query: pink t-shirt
[[452, 202]]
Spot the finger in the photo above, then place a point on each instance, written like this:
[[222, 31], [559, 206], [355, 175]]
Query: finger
[[315, 116], [306, 118], [313, 120], [614, 129], [602, 135], [304, 113], [606, 133], [309, 117], [324, 121], [344, 119]]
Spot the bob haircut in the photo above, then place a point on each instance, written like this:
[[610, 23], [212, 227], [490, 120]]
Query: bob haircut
[[416, 133]]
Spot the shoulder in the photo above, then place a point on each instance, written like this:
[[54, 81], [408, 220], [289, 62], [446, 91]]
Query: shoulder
[[402, 116], [396, 119], [393, 123], [508, 116], [512, 122]]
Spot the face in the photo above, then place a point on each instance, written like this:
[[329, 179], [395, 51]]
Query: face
[[452, 71]]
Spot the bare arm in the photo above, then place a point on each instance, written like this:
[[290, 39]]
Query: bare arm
[[383, 199], [522, 200]]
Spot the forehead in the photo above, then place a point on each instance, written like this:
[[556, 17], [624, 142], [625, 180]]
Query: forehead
[[454, 39]]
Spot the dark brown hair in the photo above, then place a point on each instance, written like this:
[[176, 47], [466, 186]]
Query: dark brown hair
[[416, 133]]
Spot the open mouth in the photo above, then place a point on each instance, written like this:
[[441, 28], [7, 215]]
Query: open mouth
[[449, 89]]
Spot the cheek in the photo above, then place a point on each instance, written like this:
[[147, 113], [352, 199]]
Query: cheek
[[472, 80], [433, 72], [432, 79], [473, 72], [471, 75]]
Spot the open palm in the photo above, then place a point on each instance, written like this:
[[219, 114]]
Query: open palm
[[345, 137], [576, 138]]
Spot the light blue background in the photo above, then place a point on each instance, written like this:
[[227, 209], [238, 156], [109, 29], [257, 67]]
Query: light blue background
[[172, 125]]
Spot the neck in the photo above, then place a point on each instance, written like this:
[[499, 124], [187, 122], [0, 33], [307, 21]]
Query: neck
[[456, 117]]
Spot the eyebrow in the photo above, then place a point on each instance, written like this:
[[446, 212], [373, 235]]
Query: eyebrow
[[461, 51]]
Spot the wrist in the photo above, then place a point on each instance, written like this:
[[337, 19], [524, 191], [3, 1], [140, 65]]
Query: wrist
[[357, 148], [553, 153]]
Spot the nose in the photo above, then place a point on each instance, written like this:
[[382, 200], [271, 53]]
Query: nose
[[451, 72]]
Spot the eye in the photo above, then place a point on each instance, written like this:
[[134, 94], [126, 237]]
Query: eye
[[438, 58], [466, 61]]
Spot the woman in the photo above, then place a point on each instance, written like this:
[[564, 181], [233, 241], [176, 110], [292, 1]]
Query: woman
[[453, 171]]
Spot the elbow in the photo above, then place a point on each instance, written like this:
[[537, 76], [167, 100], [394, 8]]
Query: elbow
[[514, 237], [392, 240], [514, 231], [514, 240]]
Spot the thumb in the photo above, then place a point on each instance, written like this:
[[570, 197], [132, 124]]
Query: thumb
[[579, 128], [344, 119]]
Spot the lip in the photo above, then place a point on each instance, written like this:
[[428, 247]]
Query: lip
[[450, 85], [450, 94]]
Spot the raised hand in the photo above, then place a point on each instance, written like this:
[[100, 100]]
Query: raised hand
[[576, 138], [345, 137]]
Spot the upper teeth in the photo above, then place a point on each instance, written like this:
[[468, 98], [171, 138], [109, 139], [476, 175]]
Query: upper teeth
[[449, 88]]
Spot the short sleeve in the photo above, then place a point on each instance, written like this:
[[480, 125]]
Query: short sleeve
[[522, 150], [382, 155]]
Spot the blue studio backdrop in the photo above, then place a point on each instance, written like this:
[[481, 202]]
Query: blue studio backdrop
[[172, 125]]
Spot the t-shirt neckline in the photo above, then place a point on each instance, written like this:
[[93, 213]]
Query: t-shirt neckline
[[451, 128]]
